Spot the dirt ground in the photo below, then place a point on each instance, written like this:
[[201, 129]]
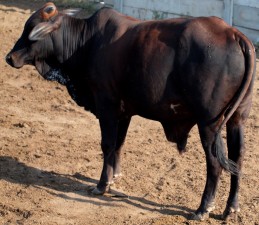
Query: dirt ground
[[50, 157]]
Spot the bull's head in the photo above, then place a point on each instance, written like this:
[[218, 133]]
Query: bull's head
[[37, 45]]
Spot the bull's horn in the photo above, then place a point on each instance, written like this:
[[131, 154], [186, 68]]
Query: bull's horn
[[49, 10]]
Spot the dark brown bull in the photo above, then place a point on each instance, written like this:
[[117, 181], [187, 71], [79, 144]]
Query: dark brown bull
[[180, 72]]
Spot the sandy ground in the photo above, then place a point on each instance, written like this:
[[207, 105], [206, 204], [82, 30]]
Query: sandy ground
[[50, 157]]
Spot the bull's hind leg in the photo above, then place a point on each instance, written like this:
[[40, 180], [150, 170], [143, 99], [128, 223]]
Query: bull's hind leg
[[235, 142], [213, 173]]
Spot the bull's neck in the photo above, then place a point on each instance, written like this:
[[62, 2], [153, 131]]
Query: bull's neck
[[74, 36], [83, 37]]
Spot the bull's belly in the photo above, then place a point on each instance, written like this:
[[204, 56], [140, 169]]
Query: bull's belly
[[175, 118], [166, 111]]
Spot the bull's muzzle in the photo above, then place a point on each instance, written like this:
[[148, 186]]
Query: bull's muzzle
[[14, 59]]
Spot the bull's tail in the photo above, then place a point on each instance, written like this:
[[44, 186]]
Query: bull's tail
[[249, 55]]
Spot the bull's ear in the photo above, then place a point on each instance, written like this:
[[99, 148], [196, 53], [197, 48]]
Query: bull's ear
[[48, 11], [40, 31], [71, 12]]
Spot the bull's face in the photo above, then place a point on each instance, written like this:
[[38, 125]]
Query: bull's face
[[36, 46]]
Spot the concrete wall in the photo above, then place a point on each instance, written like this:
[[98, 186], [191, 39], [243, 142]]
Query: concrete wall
[[243, 14], [246, 18]]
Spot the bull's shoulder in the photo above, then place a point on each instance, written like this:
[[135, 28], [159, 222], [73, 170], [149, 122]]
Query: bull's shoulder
[[152, 32]]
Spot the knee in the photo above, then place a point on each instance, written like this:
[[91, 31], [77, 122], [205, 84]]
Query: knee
[[107, 147]]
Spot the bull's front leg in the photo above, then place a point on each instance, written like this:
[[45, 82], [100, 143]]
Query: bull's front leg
[[109, 128], [123, 125]]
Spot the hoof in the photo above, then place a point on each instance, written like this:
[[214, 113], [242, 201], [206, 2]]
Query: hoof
[[101, 191], [200, 216], [230, 213], [203, 215], [116, 176], [97, 191]]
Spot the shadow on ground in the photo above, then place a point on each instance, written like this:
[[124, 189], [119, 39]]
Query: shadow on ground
[[59, 185]]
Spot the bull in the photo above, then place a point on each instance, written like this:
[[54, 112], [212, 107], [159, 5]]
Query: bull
[[180, 72]]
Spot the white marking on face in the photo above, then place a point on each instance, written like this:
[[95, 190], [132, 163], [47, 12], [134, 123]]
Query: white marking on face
[[172, 106]]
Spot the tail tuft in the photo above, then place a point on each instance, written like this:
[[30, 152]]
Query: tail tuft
[[226, 163]]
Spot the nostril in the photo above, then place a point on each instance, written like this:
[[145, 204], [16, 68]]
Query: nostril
[[8, 59]]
